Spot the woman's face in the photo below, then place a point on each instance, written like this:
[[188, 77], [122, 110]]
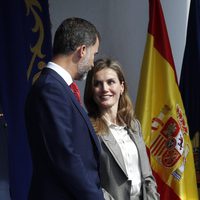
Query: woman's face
[[107, 89]]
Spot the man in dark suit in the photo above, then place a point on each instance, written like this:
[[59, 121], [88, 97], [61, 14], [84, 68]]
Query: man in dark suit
[[64, 147]]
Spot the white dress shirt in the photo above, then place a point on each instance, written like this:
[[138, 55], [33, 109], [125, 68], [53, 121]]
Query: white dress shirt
[[61, 71], [130, 155]]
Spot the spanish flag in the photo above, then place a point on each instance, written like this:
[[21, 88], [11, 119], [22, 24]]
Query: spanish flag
[[160, 110]]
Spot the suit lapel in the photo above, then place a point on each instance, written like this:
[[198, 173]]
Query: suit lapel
[[139, 144], [85, 117], [76, 103], [135, 138], [115, 150]]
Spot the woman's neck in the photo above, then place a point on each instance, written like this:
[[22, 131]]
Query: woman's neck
[[110, 116]]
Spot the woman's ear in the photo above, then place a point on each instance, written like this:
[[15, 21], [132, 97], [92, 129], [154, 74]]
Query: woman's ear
[[122, 88]]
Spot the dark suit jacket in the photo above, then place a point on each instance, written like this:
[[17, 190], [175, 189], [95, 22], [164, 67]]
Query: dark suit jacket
[[64, 147], [114, 177]]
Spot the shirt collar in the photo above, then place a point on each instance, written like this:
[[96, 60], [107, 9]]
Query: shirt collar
[[112, 125], [61, 71]]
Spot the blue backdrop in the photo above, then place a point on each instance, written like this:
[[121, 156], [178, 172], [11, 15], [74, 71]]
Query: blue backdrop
[[190, 74], [25, 47]]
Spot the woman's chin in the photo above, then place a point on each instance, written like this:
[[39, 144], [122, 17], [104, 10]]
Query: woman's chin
[[105, 105]]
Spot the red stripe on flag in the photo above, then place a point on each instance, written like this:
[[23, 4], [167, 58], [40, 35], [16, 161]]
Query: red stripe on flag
[[156, 145], [161, 150], [157, 28], [166, 192], [158, 149]]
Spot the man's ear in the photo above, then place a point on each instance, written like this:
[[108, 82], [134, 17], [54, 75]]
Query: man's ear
[[81, 51]]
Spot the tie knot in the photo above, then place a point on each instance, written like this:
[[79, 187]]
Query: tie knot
[[76, 91]]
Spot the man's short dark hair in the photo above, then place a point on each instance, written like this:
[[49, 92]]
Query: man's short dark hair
[[72, 33]]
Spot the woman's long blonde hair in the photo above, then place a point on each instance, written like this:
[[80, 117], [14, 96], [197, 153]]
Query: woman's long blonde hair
[[125, 112]]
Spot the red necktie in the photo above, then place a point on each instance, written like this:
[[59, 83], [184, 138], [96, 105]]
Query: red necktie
[[76, 91]]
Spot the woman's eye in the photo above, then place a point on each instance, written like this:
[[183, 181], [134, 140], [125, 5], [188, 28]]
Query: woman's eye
[[96, 83], [110, 82]]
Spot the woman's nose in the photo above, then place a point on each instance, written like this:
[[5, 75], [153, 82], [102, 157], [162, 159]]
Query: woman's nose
[[105, 87]]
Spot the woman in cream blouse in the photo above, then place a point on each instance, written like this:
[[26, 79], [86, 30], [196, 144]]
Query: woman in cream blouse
[[125, 171]]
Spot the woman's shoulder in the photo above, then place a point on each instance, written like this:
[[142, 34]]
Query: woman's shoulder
[[136, 126]]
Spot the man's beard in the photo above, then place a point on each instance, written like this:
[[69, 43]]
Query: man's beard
[[84, 67], [82, 72]]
